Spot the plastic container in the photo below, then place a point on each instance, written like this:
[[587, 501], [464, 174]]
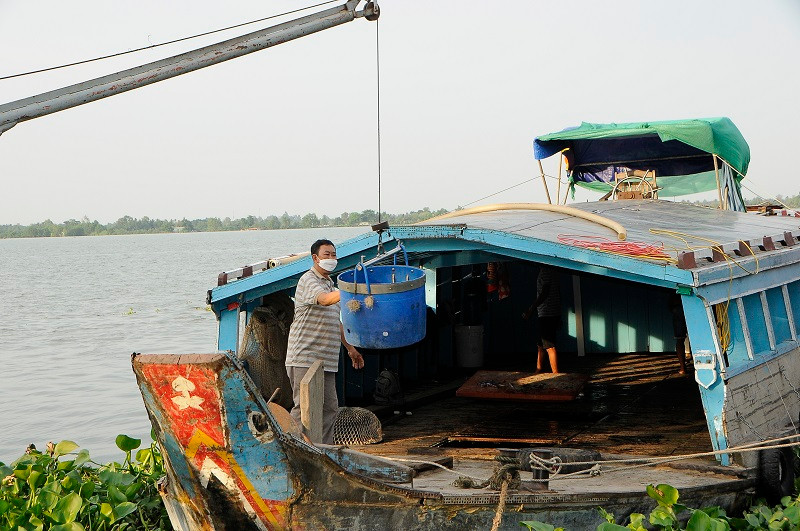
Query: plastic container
[[383, 306], [469, 346]]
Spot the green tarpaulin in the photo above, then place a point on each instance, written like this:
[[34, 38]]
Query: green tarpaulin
[[710, 135], [679, 152]]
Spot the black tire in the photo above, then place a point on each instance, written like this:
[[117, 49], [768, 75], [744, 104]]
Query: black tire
[[775, 473]]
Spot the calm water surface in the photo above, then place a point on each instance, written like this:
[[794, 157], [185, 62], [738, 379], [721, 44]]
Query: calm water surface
[[72, 310]]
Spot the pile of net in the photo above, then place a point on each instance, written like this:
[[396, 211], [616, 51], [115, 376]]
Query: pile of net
[[263, 349], [356, 426]]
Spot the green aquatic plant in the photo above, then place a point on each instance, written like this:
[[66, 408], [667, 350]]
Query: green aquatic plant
[[64, 490], [666, 516]]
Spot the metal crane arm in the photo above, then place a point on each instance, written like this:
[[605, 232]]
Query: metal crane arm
[[102, 87]]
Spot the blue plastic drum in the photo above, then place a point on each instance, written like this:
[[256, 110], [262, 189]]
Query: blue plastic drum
[[383, 306]]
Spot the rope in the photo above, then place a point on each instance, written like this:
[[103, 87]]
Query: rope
[[501, 191], [501, 506], [463, 479], [506, 474], [723, 325], [84, 61], [715, 245], [654, 251], [378, 75], [762, 196], [510, 188]]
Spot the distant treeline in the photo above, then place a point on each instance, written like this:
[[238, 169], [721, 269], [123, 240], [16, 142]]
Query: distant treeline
[[791, 201], [145, 225]]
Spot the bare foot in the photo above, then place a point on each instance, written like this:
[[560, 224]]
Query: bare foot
[[538, 370]]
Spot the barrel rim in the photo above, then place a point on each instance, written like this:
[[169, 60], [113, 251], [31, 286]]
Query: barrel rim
[[382, 288]]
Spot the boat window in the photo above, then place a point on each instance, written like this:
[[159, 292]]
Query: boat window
[[756, 323], [778, 316], [794, 302], [730, 333]]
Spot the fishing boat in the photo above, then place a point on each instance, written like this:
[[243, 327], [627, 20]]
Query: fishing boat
[[236, 457], [476, 438]]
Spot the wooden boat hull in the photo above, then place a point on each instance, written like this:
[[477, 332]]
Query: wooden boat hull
[[236, 462]]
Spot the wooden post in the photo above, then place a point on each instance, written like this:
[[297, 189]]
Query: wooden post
[[558, 186], [544, 182], [716, 174], [312, 394]]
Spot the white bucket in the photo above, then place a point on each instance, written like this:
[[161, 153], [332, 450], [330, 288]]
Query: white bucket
[[469, 346]]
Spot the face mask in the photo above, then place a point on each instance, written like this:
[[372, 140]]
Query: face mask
[[328, 264]]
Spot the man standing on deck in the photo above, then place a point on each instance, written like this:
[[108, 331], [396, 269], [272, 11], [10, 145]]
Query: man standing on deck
[[316, 333], [548, 308]]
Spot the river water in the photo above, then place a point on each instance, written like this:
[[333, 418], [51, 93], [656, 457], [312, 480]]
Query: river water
[[72, 310]]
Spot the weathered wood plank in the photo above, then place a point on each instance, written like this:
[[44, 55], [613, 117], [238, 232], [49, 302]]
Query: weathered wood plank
[[312, 393]]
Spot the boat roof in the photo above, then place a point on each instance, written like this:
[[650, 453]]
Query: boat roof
[[687, 233], [673, 147]]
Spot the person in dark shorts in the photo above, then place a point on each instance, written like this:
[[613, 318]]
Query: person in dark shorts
[[679, 330], [548, 309]]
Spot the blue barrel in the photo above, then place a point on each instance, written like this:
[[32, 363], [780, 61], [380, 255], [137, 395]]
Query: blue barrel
[[383, 306]]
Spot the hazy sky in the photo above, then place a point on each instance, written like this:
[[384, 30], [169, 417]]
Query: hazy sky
[[465, 87]]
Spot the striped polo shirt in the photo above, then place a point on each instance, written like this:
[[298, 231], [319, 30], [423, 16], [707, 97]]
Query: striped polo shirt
[[315, 333], [551, 305]]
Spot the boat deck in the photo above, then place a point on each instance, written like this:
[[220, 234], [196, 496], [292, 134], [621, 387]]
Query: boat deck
[[633, 404], [616, 480]]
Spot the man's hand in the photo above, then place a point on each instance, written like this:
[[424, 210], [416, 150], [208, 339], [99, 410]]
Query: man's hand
[[355, 357]]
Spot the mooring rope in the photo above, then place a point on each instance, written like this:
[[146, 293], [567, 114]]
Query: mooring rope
[[596, 465], [501, 506]]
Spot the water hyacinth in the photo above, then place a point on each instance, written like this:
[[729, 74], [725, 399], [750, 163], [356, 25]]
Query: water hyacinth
[[62, 489]]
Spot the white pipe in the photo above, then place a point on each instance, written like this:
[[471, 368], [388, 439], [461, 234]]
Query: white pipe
[[622, 234]]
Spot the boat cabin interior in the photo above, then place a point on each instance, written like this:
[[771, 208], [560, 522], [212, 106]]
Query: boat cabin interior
[[470, 386]]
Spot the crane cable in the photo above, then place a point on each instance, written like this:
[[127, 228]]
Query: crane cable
[[378, 76], [109, 56]]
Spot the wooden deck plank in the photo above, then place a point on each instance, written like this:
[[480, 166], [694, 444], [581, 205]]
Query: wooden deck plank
[[518, 385]]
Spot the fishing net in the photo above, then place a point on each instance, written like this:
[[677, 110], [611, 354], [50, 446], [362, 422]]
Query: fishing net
[[356, 426], [264, 347]]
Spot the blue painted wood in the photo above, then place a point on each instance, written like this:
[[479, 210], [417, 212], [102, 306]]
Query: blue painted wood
[[701, 336], [350, 249], [264, 462], [448, 238], [169, 444], [756, 323], [778, 316], [369, 465], [599, 331], [659, 330], [794, 300], [737, 285], [737, 351], [712, 274], [763, 358], [228, 330]]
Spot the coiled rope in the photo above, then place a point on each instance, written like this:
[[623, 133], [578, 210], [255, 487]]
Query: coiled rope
[[652, 251]]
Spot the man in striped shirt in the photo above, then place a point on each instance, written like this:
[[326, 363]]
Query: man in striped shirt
[[316, 333]]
